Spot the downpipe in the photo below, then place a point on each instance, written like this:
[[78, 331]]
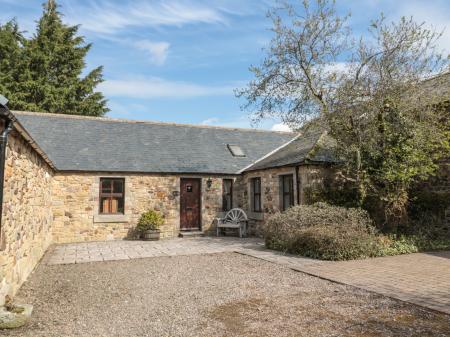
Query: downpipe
[[3, 144]]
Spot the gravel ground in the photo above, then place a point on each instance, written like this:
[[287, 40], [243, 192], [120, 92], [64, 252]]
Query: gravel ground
[[209, 295]]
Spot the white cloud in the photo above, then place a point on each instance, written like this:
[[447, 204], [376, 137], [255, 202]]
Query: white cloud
[[337, 67], [434, 15], [433, 12], [280, 127], [157, 51], [243, 121], [234, 122], [153, 87], [105, 17], [210, 121]]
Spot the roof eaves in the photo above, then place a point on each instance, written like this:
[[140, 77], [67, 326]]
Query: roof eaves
[[248, 168], [24, 133], [4, 112], [300, 162], [315, 146]]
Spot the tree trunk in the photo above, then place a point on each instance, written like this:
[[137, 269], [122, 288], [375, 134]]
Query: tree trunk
[[361, 189]]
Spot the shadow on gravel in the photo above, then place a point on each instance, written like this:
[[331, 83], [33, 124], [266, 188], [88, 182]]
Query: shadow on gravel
[[303, 314]]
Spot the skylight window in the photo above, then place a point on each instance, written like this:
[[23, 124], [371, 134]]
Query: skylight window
[[236, 150]]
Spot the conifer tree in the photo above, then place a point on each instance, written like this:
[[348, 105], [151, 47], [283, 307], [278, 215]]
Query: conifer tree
[[11, 55], [52, 64]]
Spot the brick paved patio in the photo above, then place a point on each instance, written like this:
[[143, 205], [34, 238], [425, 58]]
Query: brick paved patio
[[422, 278]]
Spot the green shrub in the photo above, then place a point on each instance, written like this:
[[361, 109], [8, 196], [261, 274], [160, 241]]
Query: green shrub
[[328, 232], [428, 202], [398, 245], [427, 214], [324, 232], [406, 244], [149, 220]]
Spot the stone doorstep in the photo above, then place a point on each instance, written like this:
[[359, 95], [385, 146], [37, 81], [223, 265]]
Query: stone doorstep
[[191, 234]]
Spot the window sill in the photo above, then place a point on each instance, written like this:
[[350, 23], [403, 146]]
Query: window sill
[[111, 218]]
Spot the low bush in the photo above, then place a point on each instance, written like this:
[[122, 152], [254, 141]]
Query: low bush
[[324, 232], [413, 243], [149, 220], [396, 245], [328, 232]]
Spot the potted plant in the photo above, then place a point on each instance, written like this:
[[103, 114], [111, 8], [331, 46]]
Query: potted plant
[[148, 225]]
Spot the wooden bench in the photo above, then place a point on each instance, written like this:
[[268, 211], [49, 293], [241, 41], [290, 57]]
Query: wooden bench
[[235, 218]]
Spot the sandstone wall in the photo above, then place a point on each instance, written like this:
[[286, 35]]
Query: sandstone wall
[[312, 177], [76, 202], [270, 195], [308, 176], [27, 216]]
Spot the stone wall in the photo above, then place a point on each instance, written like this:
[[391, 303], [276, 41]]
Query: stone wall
[[27, 216], [76, 202], [308, 176], [270, 198], [312, 177]]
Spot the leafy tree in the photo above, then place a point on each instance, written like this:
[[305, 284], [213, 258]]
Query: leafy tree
[[51, 65], [368, 92]]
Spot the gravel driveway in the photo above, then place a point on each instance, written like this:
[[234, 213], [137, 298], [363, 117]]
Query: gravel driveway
[[209, 295]]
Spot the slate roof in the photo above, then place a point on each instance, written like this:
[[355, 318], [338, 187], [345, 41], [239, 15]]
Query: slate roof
[[439, 86], [311, 146], [74, 143]]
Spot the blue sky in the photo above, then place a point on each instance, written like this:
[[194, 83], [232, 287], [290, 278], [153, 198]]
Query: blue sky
[[179, 61]]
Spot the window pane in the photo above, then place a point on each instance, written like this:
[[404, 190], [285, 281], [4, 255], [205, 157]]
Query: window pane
[[111, 205], [118, 186], [287, 183], [105, 185], [226, 202], [227, 194], [286, 191], [226, 186], [257, 203], [117, 205], [235, 150], [287, 201], [104, 205], [111, 196], [257, 185]]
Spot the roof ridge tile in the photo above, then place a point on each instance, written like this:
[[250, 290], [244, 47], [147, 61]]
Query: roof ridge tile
[[131, 121]]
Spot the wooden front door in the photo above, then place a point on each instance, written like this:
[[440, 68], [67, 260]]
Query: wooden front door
[[190, 190]]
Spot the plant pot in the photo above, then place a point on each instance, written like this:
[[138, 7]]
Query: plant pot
[[151, 235]]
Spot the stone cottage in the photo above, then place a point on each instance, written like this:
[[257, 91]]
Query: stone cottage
[[71, 179]]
